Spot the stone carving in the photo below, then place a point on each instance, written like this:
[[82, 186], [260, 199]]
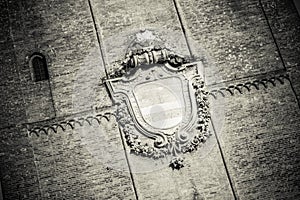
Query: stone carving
[[175, 127], [69, 124], [241, 88], [146, 56], [161, 103]]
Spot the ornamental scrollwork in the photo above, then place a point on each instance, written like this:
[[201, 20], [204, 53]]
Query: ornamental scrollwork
[[161, 104]]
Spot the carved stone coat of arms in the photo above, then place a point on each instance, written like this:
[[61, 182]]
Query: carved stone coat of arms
[[161, 103]]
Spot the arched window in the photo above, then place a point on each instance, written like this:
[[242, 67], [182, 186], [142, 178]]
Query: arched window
[[39, 70]]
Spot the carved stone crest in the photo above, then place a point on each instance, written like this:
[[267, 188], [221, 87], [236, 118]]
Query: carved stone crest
[[161, 103]]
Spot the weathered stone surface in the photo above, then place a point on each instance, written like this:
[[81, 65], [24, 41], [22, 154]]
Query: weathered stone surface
[[11, 103], [260, 143], [19, 175], [202, 177], [87, 162], [234, 33], [259, 137], [69, 44], [118, 27], [119, 21], [284, 21], [295, 80]]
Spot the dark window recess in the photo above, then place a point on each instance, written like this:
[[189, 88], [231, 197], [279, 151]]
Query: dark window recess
[[39, 68]]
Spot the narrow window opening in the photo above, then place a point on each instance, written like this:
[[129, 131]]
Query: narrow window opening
[[39, 69]]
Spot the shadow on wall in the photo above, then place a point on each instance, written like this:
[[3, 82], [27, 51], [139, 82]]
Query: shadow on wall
[[297, 4]]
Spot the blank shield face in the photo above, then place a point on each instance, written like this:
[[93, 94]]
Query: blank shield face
[[161, 102]]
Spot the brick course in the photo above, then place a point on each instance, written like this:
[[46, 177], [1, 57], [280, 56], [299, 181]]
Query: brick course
[[235, 34], [260, 143], [259, 139]]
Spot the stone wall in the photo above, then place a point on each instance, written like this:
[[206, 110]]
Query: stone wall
[[65, 161], [69, 44], [54, 144]]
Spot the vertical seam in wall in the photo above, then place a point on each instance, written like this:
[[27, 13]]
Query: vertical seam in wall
[[100, 42], [295, 7], [233, 189], [183, 28], [278, 49], [271, 31], [191, 54], [294, 91], [128, 163]]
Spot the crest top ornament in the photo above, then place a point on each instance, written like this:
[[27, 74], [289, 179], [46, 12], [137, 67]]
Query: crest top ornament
[[161, 103]]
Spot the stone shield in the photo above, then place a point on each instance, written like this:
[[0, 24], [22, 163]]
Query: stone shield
[[161, 107]]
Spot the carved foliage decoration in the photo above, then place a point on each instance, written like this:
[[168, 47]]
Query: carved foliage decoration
[[161, 104]]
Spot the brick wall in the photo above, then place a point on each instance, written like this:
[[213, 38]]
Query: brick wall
[[118, 23], [285, 23], [66, 164], [19, 176], [235, 34], [69, 45], [258, 152], [260, 142], [12, 104], [1, 196]]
